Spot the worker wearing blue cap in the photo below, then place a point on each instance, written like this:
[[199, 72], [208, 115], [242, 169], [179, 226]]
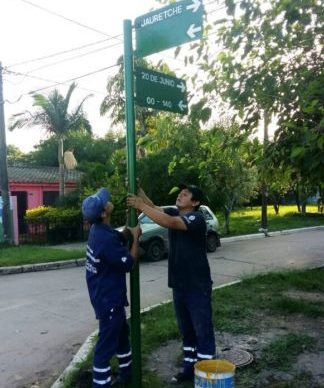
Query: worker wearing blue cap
[[107, 261]]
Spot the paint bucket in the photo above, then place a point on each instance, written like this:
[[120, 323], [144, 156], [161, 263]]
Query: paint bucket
[[214, 374]]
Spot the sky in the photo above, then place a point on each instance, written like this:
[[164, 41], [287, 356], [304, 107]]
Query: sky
[[34, 29], [28, 33]]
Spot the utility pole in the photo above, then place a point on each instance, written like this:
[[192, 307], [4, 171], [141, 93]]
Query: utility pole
[[4, 169]]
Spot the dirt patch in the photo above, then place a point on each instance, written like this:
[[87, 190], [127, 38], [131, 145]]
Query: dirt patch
[[308, 296], [166, 360]]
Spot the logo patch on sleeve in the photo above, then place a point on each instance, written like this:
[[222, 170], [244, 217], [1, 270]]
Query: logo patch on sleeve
[[124, 259], [191, 218]]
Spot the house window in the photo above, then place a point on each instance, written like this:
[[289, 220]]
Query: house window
[[50, 198]]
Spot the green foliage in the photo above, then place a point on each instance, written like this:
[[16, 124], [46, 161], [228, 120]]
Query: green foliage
[[271, 63], [221, 160], [14, 155], [58, 216], [52, 114]]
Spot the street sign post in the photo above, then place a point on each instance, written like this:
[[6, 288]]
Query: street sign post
[[169, 26], [131, 174], [160, 91]]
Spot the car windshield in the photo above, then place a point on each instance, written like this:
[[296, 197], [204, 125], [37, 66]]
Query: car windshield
[[145, 220]]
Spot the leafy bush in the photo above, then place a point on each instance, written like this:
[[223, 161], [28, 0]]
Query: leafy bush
[[57, 224], [52, 215]]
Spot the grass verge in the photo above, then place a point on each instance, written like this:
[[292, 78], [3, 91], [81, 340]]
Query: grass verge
[[252, 307], [248, 220], [30, 254]]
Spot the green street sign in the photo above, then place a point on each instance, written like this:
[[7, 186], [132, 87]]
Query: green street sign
[[160, 91], [169, 26]]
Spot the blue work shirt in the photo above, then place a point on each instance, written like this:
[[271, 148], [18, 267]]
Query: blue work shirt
[[188, 267], [107, 262]]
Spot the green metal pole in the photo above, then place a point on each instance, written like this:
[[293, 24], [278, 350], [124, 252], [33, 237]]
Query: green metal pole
[[131, 172]]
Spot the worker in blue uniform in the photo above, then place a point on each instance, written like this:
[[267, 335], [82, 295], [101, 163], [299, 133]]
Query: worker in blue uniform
[[188, 273], [107, 261]]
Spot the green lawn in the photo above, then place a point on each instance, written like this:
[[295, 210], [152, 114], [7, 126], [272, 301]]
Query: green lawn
[[253, 307], [248, 220], [30, 254]]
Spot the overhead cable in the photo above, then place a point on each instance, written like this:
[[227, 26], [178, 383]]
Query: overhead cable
[[71, 58], [59, 53], [67, 19], [55, 83]]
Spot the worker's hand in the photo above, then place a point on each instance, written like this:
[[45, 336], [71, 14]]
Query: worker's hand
[[135, 202], [136, 232]]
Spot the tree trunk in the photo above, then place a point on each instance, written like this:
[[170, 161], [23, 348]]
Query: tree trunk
[[276, 204], [227, 214], [264, 190], [303, 199], [61, 167], [297, 198], [264, 210]]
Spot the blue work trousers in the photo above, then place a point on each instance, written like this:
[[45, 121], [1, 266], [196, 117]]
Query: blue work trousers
[[194, 315], [113, 338]]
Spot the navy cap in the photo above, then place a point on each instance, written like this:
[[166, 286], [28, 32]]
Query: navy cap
[[93, 206], [197, 194]]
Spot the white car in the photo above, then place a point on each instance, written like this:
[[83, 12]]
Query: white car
[[154, 239]]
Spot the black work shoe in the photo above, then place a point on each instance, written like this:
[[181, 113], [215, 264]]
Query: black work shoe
[[181, 377]]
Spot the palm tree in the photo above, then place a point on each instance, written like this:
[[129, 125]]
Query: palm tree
[[52, 114]]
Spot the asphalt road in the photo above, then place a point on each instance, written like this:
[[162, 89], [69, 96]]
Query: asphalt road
[[46, 316]]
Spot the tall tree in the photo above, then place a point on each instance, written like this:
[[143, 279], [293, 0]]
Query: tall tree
[[113, 103], [53, 115], [271, 63]]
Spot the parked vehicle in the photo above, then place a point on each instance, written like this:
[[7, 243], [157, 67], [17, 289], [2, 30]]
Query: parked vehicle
[[154, 239]]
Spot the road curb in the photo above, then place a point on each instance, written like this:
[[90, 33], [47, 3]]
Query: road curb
[[270, 234], [80, 262]]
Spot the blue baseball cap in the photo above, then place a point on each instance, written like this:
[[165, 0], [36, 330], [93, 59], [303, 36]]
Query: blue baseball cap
[[93, 206]]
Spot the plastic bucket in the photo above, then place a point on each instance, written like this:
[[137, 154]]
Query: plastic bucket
[[214, 374]]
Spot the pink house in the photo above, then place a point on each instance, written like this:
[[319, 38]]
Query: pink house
[[36, 186]]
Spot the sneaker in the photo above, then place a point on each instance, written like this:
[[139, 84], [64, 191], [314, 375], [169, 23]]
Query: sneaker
[[180, 378]]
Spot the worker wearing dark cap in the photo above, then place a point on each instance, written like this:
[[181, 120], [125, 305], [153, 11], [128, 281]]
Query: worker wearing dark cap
[[107, 261], [188, 273]]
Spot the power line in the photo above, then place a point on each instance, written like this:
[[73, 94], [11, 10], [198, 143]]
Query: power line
[[56, 83], [218, 2], [60, 53], [67, 19], [216, 9], [71, 58]]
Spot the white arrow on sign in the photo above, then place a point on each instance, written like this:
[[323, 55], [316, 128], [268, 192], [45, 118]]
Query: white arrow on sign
[[182, 106], [192, 31], [194, 6], [182, 86]]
